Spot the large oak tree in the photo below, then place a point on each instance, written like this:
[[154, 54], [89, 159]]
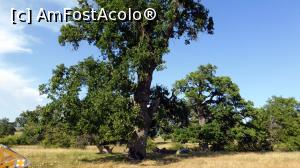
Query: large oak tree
[[139, 45]]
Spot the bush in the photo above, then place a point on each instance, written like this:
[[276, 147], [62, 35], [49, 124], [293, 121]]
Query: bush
[[166, 137], [31, 138], [6, 128], [57, 137], [189, 134], [248, 139], [11, 140], [151, 145], [291, 144], [177, 146]]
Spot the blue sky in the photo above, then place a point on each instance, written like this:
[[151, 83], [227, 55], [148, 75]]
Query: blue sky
[[256, 43]]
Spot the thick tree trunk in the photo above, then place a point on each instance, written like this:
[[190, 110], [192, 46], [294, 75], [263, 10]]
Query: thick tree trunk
[[201, 120], [201, 115], [204, 146], [138, 143]]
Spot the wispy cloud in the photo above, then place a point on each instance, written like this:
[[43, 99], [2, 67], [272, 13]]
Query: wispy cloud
[[6, 6], [13, 40], [18, 90]]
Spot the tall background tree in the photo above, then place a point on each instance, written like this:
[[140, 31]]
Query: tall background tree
[[216, 106], [139, 46], [280, 118]]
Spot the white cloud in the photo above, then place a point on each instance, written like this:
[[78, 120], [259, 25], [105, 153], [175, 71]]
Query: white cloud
[[13, 41], [17, 92], [13, 31], [13, 38]]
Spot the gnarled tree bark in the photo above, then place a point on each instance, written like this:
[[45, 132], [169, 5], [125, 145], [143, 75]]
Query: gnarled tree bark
[[138, 142]]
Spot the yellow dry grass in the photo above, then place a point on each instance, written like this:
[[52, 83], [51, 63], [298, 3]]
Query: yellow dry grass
[[88, 158]]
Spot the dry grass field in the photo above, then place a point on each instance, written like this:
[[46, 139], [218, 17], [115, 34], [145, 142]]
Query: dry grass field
[[88, 158]]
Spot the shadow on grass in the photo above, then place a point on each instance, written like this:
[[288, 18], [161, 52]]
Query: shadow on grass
[[117, 157], [162, 143], [159, 159]]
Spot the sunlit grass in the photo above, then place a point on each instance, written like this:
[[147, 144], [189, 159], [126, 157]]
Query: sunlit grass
[[88, 158]]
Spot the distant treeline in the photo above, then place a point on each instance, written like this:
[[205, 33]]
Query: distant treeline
[[92, 105]]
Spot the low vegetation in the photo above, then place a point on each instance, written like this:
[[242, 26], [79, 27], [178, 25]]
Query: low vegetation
[[88, 158]]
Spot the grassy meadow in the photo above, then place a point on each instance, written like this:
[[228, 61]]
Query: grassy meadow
[[88, 158]]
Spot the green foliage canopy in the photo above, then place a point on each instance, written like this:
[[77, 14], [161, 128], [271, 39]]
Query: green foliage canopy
[[216, 104], [6, 127], [281, 119], [139, 46], [104, 111]]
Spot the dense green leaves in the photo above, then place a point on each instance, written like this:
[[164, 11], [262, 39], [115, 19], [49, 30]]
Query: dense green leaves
[[6, 127], [206, 92], [171, 112], [144, 42], [89, 100], [216, 105], [104, 112], [138, 46], [226, 121], [281, 118]]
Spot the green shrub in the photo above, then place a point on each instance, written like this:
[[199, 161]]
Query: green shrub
[[189, 134], [6, 128], [151, 145], [166, 137], [11, 140], [177, 146], [55, 137], [291, 144]]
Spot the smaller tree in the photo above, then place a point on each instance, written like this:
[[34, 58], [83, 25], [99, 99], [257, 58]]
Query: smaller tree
[[251, 134], [204, 90], [6, 127], [33, 124], [281, 119], [216, 104]]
